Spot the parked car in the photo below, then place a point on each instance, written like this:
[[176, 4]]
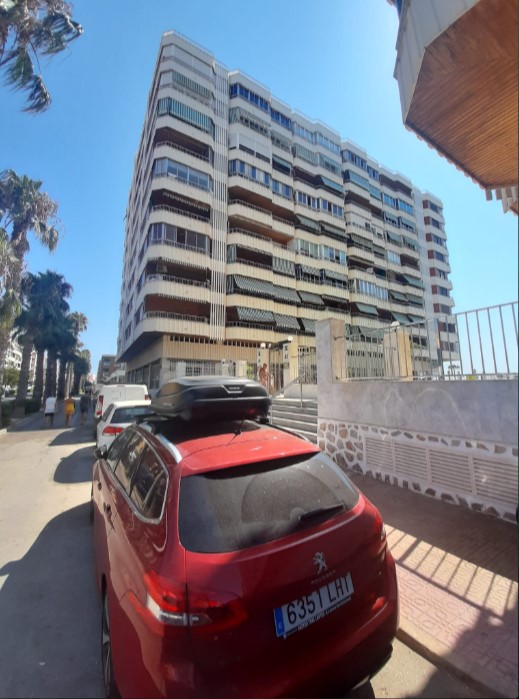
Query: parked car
[[234, 558], [113, 392], [117, 417]]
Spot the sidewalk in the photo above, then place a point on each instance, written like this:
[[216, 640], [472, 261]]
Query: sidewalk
[[457, 574]]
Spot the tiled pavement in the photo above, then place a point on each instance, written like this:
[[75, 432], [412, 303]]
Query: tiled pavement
[[457, 573]]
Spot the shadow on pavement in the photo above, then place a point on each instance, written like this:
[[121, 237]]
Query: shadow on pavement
[[77, 467], [73, 435], [474, 537], [50, 615]]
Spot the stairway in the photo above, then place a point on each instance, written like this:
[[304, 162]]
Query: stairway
[[289, 413]]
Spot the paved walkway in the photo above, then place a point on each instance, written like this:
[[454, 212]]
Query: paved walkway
[[457, 572]]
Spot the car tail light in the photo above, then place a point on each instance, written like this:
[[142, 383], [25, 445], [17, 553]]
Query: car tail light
[[146, 397], [99, 407], [200, 610], [111, 429]]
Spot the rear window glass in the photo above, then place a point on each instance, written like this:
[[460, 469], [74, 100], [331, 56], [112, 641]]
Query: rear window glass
[[236, 508], [129, 414]]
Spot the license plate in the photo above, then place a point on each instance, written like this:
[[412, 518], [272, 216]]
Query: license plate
[[301, 612]]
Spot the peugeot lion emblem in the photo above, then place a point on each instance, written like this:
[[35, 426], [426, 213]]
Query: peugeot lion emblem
[[320, 562]]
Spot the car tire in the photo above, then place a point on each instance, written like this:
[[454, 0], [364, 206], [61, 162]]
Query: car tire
[[107, 667]]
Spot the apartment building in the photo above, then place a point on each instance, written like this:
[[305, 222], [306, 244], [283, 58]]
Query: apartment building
[[247, 222]]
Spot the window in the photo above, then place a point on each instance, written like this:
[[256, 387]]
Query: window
[[390, 201], [171, 168], [280, 119], [393, 257], [238, 90], [171, 107], [149, 486], [130, 414], [114, 452], [129, 460], [234, 509]]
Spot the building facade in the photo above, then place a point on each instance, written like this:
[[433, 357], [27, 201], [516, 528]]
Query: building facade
[[247, 222]]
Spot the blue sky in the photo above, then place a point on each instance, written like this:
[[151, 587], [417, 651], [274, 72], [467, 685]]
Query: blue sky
[[331, 60]]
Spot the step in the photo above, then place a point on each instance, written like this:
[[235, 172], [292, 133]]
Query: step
[[294, 416]]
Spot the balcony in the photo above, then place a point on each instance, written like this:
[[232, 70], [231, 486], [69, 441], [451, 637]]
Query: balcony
[[241, 210]]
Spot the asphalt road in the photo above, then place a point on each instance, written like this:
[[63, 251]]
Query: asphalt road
[[49, 610]]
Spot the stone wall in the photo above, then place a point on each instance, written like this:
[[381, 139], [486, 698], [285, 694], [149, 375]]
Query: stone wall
[[456, 441]]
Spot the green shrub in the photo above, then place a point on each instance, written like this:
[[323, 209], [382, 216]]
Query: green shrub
[[7, 412]]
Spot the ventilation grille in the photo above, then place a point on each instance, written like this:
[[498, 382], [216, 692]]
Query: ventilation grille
[[450, 470], [379, 454], [495, 480], [411, 461]]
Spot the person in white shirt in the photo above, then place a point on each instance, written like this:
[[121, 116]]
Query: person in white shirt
[[50, 409]]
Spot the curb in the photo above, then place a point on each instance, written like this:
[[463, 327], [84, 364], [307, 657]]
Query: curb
[[438, 653]]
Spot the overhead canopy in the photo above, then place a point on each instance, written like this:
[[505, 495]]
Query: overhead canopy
[[308, 297], [308, 324], [308, 223], [394, 238], [367, 308], [311, 271], [332, 185], [397, 296], [254, 286], [255, 315], [414, 299], [332, 230], [282, 293], [410, 242], [413, 281], [283, 164], [400, 317], [416, 319], [286, 322], [331, 274], [358, 240]]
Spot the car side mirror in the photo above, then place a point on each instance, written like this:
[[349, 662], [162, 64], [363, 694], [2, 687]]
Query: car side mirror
[[101, 452]]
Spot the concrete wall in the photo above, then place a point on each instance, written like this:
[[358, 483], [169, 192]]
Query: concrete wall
[[456, 440]]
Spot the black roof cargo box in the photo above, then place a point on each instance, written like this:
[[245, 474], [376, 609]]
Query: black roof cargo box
[[218, 397]]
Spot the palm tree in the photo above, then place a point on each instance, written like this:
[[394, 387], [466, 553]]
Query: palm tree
[[81, 369], [26, 326], [29, 28], [24, 208]]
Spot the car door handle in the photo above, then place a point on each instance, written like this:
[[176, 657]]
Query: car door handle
[[107, 509], [99, 485]]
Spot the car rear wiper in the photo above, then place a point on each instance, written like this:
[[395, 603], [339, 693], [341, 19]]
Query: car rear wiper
[[321, 511]]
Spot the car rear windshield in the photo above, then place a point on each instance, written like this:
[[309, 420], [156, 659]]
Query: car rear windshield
[[247, 506], [129, 414]]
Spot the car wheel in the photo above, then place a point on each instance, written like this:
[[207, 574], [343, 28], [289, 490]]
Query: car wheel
[[106, 652]]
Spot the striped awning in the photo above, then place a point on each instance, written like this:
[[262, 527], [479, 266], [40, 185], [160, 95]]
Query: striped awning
[[311, 271], [308, 324], [308, 223], [367, 308], [285, 322], [332, 230], [253, 285], [393, 238], [403, 319], [331, 274], [255, 315], [282, 293], [379, 249], [397, 296], [410, 242], [308, 297], [413, 281], [358, 240], [331, 184], [339, 300]]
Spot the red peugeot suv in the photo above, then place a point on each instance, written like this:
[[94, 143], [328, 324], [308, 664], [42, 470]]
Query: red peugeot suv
[[235, 559]]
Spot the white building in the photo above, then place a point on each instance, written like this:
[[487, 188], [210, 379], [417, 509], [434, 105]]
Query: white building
[[247, 222]]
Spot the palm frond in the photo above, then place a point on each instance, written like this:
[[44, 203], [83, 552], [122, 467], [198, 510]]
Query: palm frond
[[20, 71], [39, 98]]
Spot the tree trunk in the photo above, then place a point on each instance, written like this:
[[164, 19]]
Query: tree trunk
[[38, 377], [23, 381], [61, 379]]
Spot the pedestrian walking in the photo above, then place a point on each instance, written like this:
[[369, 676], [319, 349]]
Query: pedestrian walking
[[50, 409], [70, 409], [84, 405]]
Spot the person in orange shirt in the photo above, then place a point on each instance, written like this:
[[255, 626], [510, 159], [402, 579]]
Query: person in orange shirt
[[70, 409]]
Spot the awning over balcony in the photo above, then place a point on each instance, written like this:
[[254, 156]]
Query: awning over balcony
[[358, 240], [255, 315], [311, 271], [282, 164], [305, 222], [332, 185], [331, 274], [307, 297], [308, 324], [397, 296], [286, 322], [410, 242], [414, 299], [332, 230], [252, 285], [366, 308], [413, 281], [393, 238], [416, 319], [281, 293], [403, 319]]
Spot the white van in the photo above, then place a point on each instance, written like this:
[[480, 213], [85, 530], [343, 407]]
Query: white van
[[116, 392]]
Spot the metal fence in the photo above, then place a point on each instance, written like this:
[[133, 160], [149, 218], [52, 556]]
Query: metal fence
[[471, 345]]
